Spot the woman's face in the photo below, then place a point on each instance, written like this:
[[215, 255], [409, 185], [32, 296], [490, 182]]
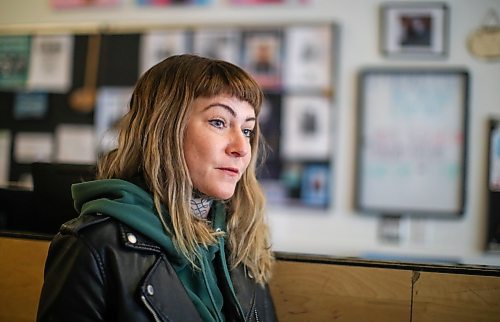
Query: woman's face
[[217, 144]]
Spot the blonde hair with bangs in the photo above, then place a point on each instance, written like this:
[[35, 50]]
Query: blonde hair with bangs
[[150, 144]]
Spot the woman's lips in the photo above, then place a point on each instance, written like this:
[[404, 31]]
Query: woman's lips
[[230, 171]]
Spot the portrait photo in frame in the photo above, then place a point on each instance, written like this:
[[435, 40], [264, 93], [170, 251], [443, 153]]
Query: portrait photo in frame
[[414, 29]]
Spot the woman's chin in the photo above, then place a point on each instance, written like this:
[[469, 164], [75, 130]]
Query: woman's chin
[[218, 193]]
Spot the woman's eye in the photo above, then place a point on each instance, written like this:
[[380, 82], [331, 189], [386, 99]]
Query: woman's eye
[[217, 123], [248, 133]]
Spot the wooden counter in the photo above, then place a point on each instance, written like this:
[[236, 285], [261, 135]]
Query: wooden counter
[[306, 288]]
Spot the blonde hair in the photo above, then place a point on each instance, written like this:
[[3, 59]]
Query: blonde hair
[[150, 143]]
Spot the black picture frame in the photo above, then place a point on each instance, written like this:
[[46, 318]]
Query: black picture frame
[[412, 141], [493, 184], [414, 30]]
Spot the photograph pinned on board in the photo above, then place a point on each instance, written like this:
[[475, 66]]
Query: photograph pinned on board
[[308, 57], [414, 29], [315, 187], [262, 56], [306, 128]]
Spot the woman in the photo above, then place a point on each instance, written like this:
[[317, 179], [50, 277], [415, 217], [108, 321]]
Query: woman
[[173, 229]]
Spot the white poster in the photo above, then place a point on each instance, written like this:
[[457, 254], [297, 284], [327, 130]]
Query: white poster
[[308, 58], [218, 43], [158, 45], [75, 144], [32, 147], [306, 128], [51, 63], [112, 105]]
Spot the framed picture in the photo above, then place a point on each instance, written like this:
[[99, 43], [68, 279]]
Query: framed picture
[[305, 128], [494, 156], [414, 29], [262, 56], [411, 149], [493, 223]]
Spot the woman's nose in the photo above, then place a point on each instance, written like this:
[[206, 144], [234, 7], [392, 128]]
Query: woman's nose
[[239, 144]]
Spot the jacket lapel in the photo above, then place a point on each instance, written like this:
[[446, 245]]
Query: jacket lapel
[[244, 289], [164, 295]]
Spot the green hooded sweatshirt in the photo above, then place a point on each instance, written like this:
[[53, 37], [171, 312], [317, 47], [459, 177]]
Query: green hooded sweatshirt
[[133, 206]]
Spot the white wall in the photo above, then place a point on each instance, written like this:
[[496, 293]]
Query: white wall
[[342, 231]]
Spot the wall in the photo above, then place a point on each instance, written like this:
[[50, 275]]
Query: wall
[[343, 231]]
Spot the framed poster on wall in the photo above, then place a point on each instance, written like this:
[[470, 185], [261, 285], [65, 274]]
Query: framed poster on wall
[[493, 192], [411, 148], [409, 29]]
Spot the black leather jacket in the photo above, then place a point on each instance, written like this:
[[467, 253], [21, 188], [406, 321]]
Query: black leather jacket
[[98, 269]]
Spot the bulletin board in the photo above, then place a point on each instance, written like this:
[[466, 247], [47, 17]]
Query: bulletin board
[[294, 64], [411, 145]]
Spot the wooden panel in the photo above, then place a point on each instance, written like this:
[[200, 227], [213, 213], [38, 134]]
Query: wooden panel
[[456, 298], [322, 292], [21, 278], [302, 291]]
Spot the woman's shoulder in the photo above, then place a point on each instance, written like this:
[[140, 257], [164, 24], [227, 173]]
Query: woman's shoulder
[[88, 225], [101, 232]]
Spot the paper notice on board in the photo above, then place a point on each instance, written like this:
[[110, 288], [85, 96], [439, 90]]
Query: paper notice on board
[[218, 43], [112, 105], [32, 147], [51, 63], [75, 144], [158, 45], [14, 60], [4, 156]]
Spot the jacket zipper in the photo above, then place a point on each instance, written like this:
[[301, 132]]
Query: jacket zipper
[[256, 315], [150, 309]]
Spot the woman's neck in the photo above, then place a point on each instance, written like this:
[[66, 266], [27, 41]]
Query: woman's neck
[[200, 204]]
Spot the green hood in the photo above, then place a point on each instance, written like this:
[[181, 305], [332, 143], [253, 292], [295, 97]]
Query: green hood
[[128, 203], [133, 206]]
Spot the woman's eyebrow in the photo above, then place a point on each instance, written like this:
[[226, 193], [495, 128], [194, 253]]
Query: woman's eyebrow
[[230, 110]]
